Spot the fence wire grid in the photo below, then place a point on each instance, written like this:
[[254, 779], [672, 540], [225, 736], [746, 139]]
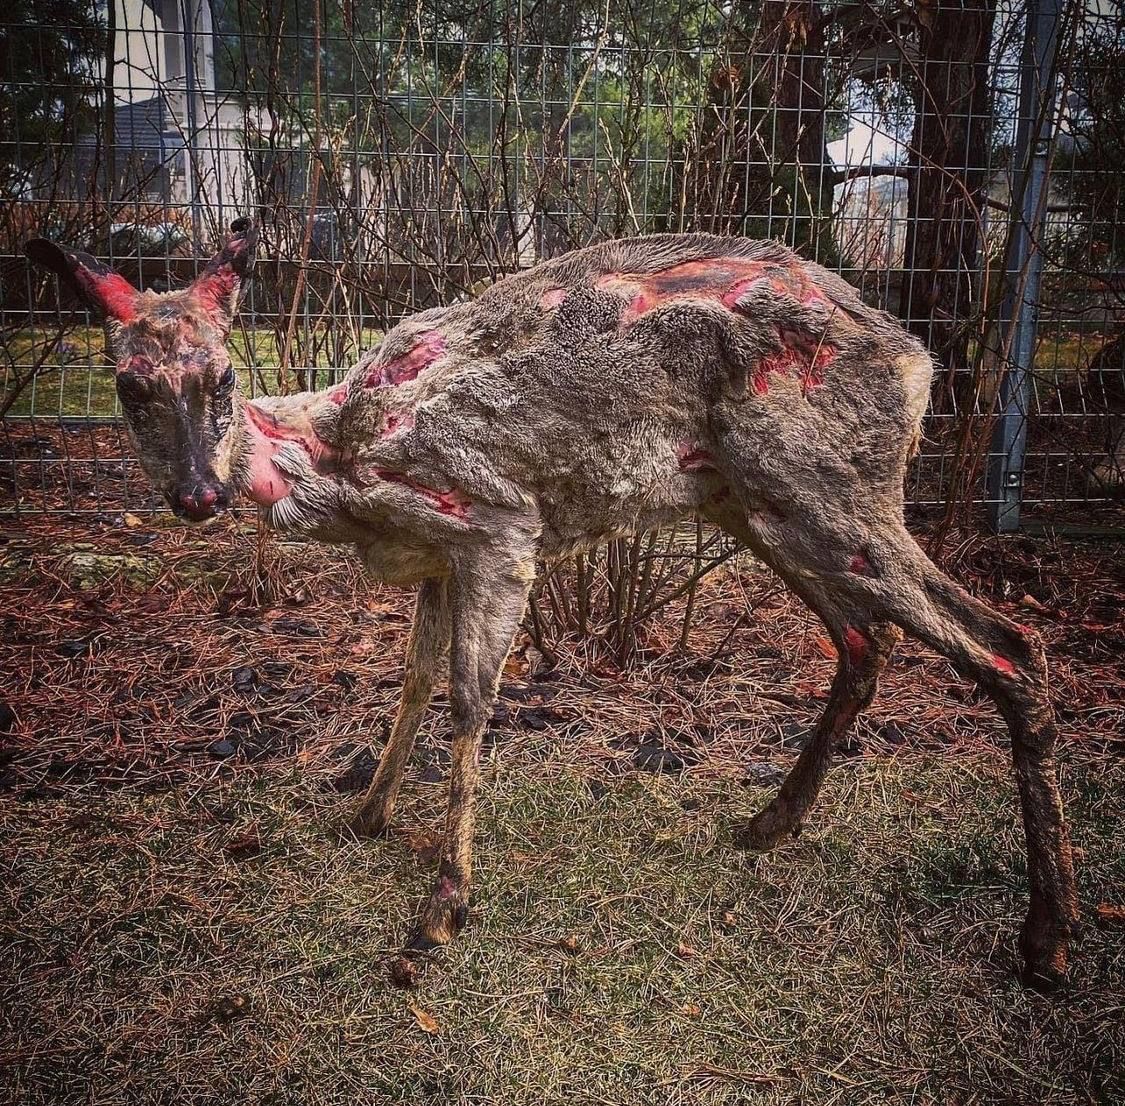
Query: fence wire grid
[[961, 163]]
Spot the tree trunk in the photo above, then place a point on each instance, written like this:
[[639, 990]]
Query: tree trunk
[[760, 164], [109, 130], [949, 174]]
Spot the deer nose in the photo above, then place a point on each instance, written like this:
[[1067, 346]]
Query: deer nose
[[200, 502]]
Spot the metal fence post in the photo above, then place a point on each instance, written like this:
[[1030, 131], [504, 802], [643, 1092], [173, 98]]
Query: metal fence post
[[1023, 267]]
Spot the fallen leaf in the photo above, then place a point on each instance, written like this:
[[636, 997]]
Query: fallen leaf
[[228, 1007], [685, 951], [515, 666], [245, 845], [569, 944], [426, 1022], [423, 843], [810, 691], [691, 1009], [131, 520]]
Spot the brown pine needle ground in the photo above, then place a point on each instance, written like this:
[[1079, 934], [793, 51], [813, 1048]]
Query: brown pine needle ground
[[182, 920]]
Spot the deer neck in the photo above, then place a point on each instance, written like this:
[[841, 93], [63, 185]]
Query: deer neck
[[279, 447]]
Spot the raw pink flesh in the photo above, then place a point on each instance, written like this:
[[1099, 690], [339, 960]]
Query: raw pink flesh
[[694, 458], [453, 502], [429, 348], [857, 644], [726, 280], [118, 297], [268, 483]]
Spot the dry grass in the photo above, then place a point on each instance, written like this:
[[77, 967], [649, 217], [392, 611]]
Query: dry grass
[[183, 921]]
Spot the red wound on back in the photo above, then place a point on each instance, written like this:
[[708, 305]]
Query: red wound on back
[[800, 357], [552, 298], [429, 348], [728, 281], [395, 423]]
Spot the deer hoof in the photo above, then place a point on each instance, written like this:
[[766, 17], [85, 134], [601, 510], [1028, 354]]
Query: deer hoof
[[1042, 978], [369, 823], [1044, 958], [444, 917], [764, 831]]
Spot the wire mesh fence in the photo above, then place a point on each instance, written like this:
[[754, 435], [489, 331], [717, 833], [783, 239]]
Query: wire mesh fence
[[961, 163]]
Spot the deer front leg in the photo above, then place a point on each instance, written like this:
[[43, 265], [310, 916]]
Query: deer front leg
[[429, 641], [488, 594]]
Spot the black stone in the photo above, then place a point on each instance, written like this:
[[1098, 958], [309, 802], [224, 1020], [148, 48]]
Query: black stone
[[245, 679]]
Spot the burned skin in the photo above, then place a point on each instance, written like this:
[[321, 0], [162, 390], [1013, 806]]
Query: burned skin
[[621, 387]]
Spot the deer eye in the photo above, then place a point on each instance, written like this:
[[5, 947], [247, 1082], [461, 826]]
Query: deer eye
[[226, 381], [132, 389]]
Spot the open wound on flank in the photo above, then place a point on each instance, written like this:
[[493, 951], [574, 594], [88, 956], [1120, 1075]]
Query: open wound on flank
[[429, 347], [692, 457], [453, 502], [799, 356], [395, 423]]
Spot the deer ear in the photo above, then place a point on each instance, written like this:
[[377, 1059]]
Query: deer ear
[[97, 284], [220, 284]]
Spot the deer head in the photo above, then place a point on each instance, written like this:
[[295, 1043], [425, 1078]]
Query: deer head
[[178, 390]]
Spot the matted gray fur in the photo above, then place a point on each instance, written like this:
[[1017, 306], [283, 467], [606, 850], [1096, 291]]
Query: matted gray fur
[[613, 389]]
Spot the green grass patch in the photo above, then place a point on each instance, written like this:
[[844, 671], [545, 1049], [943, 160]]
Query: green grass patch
[[222, 943]]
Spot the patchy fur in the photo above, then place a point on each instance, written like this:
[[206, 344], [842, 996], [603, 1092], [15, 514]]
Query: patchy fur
[[616, 388]]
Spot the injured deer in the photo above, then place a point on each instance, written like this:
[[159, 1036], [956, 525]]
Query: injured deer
[[614, 389]]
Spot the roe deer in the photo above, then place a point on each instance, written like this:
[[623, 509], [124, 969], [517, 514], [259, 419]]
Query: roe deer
[[615, 388]]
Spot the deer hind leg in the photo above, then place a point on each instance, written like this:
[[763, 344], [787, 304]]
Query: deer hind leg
[[875, 573], [1007, 661], [863, 649], [488, 595], [429, 641]]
